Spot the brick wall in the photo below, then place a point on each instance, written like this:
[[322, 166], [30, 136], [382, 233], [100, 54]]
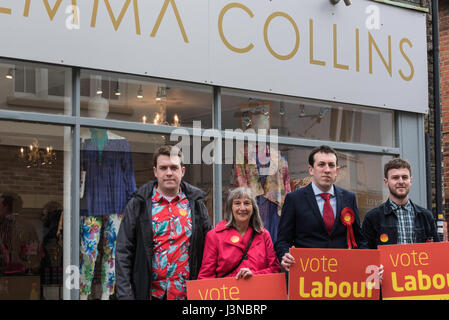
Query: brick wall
[[429, 118], [444, 74], [36, 182], [444, 84], [37, 186]]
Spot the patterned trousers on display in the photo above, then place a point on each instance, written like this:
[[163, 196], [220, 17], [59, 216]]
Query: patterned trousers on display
[[91, 228]]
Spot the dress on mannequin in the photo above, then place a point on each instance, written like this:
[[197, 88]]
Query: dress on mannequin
[[263, 169], [269, 188], [108, 183]]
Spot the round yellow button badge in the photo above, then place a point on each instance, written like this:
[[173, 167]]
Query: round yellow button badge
[[235, 239]]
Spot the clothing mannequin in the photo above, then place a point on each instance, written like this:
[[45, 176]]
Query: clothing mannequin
[[107, 183], [19, 242], [268, 186]]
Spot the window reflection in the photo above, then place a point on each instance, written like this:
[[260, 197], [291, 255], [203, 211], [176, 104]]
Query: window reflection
[[35, 87], [309, 119], [361, 173], [141, 100]]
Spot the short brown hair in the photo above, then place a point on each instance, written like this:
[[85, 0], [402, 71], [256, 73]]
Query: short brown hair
[[168, 150], [322, 149], [396, 163]]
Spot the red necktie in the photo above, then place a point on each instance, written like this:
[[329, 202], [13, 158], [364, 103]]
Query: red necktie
[[328, 213]]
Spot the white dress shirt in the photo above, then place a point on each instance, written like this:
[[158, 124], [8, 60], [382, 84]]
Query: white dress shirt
[[320, 201]]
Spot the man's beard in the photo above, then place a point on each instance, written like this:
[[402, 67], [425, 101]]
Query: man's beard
[[398, 196]]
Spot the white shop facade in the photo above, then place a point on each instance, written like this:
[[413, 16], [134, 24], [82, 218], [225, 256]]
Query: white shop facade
[[308, 72]]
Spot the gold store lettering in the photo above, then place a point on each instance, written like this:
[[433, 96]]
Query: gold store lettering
[[116, 22], [5, 10], [313, 55], [50, 11], [315, 58]]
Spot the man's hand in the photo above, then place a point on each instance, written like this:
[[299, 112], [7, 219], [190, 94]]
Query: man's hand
[[380, 273], [287, 261]]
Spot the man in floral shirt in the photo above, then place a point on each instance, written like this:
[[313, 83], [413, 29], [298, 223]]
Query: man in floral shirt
[[161, 238]]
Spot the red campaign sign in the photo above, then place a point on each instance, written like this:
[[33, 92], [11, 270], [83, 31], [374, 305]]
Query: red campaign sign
[[258, 287], [333, 274], [415, 271]]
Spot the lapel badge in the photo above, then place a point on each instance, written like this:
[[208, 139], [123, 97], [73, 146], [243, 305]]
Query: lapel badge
[[384, 237]]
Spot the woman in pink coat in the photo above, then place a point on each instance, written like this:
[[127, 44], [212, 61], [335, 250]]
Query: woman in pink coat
[[227, 242]]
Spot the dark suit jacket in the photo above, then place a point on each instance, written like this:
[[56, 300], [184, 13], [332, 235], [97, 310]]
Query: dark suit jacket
[[302, 225]]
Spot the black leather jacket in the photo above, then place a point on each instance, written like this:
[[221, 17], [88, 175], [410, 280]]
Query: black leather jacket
[[383, 221], [134, 250]]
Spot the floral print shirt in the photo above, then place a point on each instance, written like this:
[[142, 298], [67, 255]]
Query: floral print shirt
[[172, 228]]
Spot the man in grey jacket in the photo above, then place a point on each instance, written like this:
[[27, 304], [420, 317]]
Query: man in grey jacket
[[161, 237]]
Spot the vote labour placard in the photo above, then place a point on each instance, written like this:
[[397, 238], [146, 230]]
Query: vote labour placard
[[334, 274], [415, 271], [258, 287]]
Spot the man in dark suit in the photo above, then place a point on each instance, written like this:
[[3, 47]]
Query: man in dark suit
[[311, 216]]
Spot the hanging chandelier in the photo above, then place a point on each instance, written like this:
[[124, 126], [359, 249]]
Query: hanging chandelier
[[35, 157], [160, 116]]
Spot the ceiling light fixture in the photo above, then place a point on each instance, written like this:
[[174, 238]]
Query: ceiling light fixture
[[117, 90], [281, 109], [161, 93], [99, 85], [10, 74], [302, 113], [140, 92]]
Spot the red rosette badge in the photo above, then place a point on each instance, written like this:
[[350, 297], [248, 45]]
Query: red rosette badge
[[347, 218]]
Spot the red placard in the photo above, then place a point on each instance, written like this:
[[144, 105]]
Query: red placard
[[333, 274], [258, 287], [415, 271]]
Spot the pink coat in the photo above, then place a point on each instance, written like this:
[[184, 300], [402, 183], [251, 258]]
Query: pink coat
[[224, 248]]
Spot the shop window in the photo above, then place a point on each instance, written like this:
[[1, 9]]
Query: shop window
[[34, 172], [35, 87], [144, 100], [413, 2], [282, 169], [114, 164], [24, 80], [308, 119]]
